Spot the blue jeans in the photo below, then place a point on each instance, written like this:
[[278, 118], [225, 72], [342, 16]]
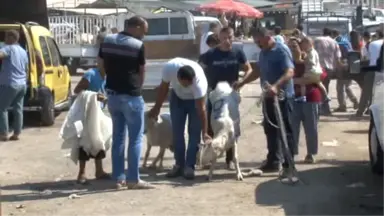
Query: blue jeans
[[12, 96], [306, 113], [180, 109], [127, 112]]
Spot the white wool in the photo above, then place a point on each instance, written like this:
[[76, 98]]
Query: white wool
[[223, 129], [159, 133]]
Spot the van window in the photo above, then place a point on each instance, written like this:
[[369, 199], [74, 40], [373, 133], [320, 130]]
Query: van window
[[158, 26], [56, 58], [44, 48], [179, 25], [167, 26]]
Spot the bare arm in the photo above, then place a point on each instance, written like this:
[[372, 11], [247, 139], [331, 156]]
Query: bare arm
[[4, 52], [251, 76], [81, 86], [162, 93], [201, 108]]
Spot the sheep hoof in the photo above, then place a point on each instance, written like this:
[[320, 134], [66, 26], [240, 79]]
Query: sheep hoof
[[239, 177]]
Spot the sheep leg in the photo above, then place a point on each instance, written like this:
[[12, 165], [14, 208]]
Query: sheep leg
[[153, 165], [162, 152], [146, 155], [210, 174], [239, 175]]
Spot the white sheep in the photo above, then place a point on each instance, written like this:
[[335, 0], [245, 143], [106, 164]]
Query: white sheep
[[159, 133], [223, 129]]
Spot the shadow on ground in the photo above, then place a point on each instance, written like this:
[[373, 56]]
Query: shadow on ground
[[345, 188], [337, 117]]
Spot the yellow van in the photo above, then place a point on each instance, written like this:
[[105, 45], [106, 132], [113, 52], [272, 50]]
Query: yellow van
[[49, 81]]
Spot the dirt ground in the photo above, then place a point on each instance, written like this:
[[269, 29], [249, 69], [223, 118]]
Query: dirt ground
[[37, 177]]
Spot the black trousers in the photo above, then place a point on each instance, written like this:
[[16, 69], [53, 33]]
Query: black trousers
[[273, 134], [229, 153]]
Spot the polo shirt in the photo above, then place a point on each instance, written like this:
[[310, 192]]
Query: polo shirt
[[123, 55]]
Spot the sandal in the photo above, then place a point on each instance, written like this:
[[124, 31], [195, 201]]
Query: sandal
[[120, 185], [82, 181], [140, 185], [4, 138], [14, 138]]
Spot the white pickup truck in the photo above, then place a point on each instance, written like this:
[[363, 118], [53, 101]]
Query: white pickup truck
[[170, 35]]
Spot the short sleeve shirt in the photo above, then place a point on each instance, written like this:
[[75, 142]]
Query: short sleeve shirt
[[96, 81], [14, 66], [199, 86], [223, 65], [273, 63]]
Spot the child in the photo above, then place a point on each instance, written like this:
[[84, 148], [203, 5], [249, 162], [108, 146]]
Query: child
[[313, 69], [93, 80]]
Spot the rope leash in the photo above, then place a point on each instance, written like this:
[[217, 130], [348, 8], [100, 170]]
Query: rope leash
[[292, 176]]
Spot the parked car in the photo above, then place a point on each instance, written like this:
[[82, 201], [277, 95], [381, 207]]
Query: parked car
[[49, 81], [376, 126]]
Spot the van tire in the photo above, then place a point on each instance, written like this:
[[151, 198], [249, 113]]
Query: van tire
[[375, 150], [47, 112]]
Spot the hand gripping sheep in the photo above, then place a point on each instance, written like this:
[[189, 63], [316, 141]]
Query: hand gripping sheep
[[223, 129], [292, 177]]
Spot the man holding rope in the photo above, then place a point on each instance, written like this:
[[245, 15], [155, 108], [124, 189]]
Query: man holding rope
[[276, 72]]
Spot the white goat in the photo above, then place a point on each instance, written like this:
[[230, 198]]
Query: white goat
[[223, 130], [159, 133]]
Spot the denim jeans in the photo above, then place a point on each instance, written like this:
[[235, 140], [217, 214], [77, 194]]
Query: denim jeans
[[306, 113], [325, 108], [180, 109], [273, 134], [127, 112], [12, 96]]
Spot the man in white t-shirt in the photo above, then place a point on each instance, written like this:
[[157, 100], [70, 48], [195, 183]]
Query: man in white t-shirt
[[374, 48], [187, 99], [213, 29]]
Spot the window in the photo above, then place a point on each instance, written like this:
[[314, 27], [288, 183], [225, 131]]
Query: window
[[316, 28], [378, 13], [158, 26], [55, 53], [44, 48], [179, 25]]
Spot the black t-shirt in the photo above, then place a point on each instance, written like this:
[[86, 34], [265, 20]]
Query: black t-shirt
[[222, 65], [123, 56]]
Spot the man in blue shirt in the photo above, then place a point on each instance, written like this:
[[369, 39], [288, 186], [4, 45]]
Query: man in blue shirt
[[13, 84], [223, 63], [276, 72]]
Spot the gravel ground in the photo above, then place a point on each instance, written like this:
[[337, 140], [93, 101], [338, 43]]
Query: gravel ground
[[38, 179]]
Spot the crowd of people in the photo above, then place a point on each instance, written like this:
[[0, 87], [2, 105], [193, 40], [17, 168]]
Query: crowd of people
[[298, 66]]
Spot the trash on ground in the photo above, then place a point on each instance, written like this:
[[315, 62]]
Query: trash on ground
[[21, 206], [332, 143], [330, 154], [74, 196], [46, 192]]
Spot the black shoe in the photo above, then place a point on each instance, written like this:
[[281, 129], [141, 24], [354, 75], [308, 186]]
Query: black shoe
[[189, 173], [175, 172], [268, 167], [340, 109]]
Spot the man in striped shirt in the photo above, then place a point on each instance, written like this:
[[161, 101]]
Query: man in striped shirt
[[330, 60]]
